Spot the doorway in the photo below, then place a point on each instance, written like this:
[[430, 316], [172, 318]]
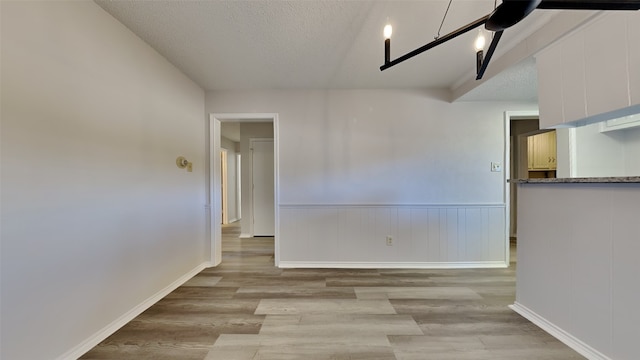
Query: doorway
[[512, 169], [215, 183], [518, 168]]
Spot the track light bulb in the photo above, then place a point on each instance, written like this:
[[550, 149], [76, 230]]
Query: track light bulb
[[480, 41], [387, 31]]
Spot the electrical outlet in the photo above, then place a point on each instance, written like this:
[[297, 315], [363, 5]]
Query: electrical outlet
[[496, 167], [389, 240]]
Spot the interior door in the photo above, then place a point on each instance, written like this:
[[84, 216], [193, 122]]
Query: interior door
[[262, 165]]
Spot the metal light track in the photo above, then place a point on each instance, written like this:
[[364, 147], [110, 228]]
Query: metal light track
[[509, 13]]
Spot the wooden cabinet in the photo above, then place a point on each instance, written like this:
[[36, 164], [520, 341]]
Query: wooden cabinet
[[542, 151], [552, 149]]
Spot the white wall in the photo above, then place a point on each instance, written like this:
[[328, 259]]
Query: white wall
[[632, 151], [601, 154], [249, 131], [96, 217], [361, 149], [598, 154], [577, 265], [232, 181]]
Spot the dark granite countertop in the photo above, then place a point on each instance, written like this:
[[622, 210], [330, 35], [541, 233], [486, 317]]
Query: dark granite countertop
[[590, 180]]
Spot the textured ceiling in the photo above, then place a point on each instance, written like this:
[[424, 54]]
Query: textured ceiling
[[519, 82], [224, 45]]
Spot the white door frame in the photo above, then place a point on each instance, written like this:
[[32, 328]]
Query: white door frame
[[215, 201], [508, 117], [223, 184], [238, 186]]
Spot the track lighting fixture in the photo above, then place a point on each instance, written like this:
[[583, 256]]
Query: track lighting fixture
[[507, 14]]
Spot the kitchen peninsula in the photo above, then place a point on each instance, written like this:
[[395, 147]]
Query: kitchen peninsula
[[577, 271], [578, 237]]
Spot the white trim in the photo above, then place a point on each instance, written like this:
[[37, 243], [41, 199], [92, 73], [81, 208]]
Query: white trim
[[245, 236], [392, 265], [293, 206], [105, 332], [224, 185], [626, 122], [214, 169], [215, 226], [238, 186], [573, 153], [506, 169], [245, 117], [568, 339]]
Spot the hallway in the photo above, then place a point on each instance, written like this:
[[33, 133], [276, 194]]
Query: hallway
[[248, 309]]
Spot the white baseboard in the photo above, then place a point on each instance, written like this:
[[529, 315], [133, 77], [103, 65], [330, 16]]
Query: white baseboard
[[245, 236], [105, 332], [568, 339], [391, 265]]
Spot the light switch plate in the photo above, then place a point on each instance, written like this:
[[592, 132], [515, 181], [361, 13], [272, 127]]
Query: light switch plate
[[496, 167]]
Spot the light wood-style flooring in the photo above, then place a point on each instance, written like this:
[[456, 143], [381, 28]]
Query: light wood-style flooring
[[248, 309]]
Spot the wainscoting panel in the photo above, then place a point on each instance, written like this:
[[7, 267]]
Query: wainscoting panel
[[578, 267], [428, 236]]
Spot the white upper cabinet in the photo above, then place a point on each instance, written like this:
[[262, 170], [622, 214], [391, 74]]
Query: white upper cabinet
[[592, 71], [573, 78], [550, 87], [606, 64]]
